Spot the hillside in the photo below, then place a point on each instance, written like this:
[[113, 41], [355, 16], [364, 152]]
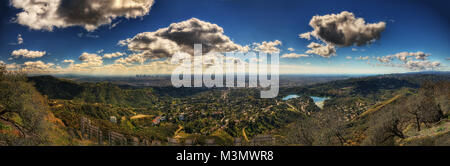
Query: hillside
[[419, 118], [375, 110], [101, 92], [366, 86]]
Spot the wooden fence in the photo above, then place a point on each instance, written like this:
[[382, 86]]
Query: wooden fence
[[107, 137]]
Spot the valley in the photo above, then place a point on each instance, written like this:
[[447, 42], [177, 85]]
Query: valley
[[344, 109]]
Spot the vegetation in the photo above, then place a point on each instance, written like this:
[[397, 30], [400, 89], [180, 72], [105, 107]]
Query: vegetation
[[23, 112], [379, 110], [395, 121]]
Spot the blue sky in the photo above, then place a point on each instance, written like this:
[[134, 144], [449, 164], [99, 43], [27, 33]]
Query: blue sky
[[411, 26]]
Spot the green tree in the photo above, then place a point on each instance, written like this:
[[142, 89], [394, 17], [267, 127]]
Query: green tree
[[19, 98]]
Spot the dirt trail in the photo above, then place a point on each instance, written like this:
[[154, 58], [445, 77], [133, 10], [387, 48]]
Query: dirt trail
[[245, 135], [295, 109], [140, 116], [178, 130], [16, 127]]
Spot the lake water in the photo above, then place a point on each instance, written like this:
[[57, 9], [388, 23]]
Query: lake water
[[318, 100], [290, 97]]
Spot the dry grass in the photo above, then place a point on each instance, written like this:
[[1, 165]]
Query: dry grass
[[379, 106], [140, 116]]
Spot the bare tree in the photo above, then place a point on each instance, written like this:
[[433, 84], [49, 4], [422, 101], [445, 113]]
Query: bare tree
[[423, 106], [302, 132], [385, 126], [331, 128]]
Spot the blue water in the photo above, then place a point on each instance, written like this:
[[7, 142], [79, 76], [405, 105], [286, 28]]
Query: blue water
[[290, 97], [318, 99], [315, 98]]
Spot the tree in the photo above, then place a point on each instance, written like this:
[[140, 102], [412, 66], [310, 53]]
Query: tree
[[302, 132], [385, 127], [430, 110], [17, 97], [332, 126], [423, 106], [322, 128]]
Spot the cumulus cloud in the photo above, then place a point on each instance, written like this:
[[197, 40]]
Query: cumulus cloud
[[89, 14], [27, 53], [113, 55], [404, 56], [306, 35], [385, 59], [343, 30], [68, 61], [294, 55], [268, 47], [12, 66], [90, 60], [130, 60], [181, 37], [422, 65], [321, 50], [420, 55], [410, 60], [37, 65], [291, 49]]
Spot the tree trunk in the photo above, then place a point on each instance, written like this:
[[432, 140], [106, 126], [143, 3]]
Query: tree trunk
[[3, 112], [418, 123]]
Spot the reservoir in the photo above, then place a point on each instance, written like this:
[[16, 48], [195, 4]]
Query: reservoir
[[318, 100]]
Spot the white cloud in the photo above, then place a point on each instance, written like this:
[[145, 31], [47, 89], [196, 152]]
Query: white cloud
[[89, 14], [113, 55], [19, 39], [27, 53], [342, 30], [90, 60], [133, 58], [12, 66], [291, 49], [37, 65], [348, 57], [306, 35], [408, 62], [420, 55], [68, 61], [268, 47], [422, 65], [321, 50], [363, 58], [404, 56], [385, 59], [180, 37], [294, 55]]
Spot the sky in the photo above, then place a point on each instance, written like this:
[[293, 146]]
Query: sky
[[126, 37]]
